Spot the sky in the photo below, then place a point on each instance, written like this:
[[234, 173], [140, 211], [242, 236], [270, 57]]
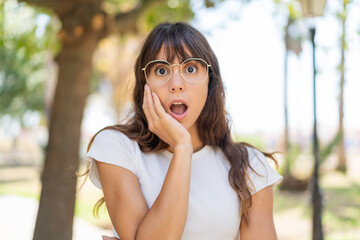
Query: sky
[[247, 39]]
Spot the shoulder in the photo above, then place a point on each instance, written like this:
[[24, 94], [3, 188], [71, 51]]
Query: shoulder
[[114, 138], [257, 160], [113, 147], [261, 174], [111, 134], [255, 156]]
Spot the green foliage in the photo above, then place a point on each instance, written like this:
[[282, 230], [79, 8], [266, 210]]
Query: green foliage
[[328, 149], [115, 6], [293, 7], [342, 212], [290, 158], [84, 210], [172, 11], [341, 207], [25, 46], [95, 80], [254, 139], [294, 10], [295, 151]]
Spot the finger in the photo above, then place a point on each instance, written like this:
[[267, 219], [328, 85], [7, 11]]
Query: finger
[[146, 110], [158, 107], [150, 104]]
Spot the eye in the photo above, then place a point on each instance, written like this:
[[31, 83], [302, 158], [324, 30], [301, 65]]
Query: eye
[[191, 69], [161, 71]]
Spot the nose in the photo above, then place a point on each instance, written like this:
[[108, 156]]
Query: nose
[[176, 80]]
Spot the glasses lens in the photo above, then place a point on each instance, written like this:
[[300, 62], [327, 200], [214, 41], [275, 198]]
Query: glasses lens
[[194, 70], [158, 72]]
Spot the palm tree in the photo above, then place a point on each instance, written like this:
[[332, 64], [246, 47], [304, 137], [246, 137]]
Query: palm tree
[[292, 44], [342, 15]]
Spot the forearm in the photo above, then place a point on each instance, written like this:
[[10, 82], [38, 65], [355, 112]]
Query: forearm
[[167, 216]]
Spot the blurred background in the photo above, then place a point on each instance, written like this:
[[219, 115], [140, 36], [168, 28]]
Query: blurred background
[[66, 71]]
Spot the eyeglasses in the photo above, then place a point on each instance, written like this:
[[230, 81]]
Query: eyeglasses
[[193, 70]]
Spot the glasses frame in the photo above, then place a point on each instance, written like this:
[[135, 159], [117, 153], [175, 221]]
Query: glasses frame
[[179, 64]]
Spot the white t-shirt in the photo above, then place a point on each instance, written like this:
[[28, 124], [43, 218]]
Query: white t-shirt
[[213, 212]]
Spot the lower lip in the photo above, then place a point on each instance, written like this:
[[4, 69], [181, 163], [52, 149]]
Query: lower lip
[[179, 116]]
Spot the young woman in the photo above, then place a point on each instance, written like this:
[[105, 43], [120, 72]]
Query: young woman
[[173, 171]]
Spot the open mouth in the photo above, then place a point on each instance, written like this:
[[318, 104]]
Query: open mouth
[[178, 110]]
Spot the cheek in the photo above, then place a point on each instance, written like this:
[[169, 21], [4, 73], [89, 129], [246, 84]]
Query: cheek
[[201, 97], [204, 93]]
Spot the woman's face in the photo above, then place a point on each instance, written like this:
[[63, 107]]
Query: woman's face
[[182, 100]]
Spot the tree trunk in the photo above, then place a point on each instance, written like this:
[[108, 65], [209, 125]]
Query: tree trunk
[[286, 116], [84, 23], [341, 148], [62, 152], [290, 182]]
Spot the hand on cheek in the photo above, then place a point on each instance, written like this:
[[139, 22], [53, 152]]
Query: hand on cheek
[[161, 123]]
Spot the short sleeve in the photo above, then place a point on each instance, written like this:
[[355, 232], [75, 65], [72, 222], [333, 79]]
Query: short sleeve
[[267, 175], [113, 147]]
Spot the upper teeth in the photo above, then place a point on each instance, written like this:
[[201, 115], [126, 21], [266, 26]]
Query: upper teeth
[[177, 103]]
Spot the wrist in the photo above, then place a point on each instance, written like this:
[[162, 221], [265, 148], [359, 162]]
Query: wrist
[[184, 147]]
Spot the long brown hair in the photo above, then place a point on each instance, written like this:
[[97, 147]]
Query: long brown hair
[[213, 123]]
